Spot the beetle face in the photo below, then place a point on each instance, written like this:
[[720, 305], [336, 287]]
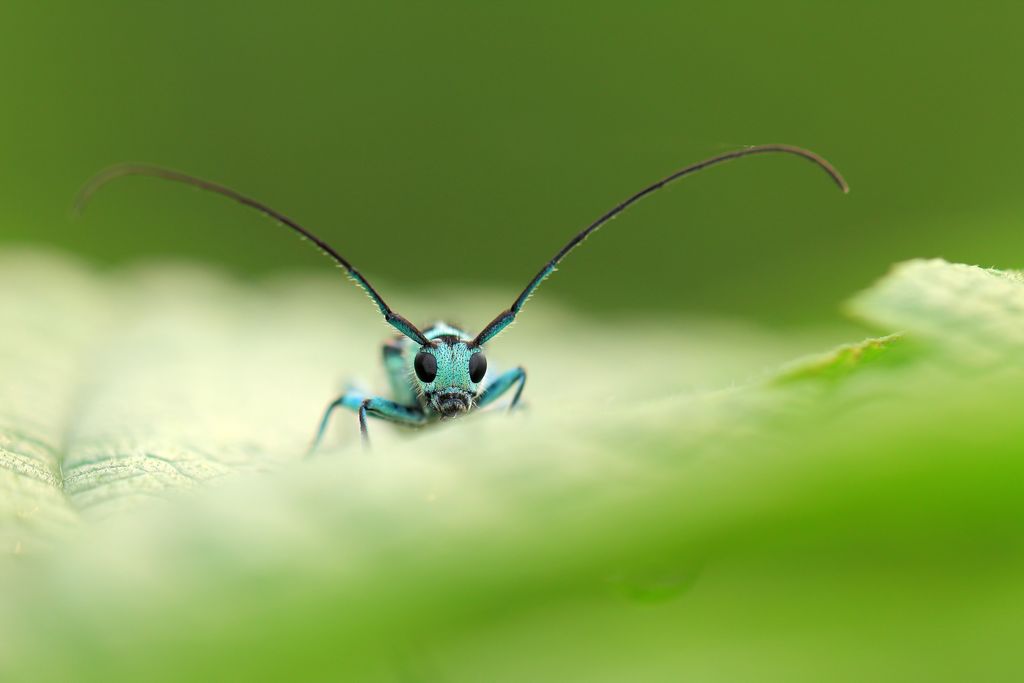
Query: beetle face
[[449, 374]]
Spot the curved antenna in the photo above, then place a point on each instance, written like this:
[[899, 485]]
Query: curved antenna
[[104, 177], [506, 317]]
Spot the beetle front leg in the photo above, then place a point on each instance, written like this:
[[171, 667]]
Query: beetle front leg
[[350, 400], [390, 411], [502, 383], [378, 407]]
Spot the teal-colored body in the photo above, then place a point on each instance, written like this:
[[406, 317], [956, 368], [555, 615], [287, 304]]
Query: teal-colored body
[[440, 372], [450, 392]]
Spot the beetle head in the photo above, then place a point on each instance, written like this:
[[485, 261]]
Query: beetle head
[[449, 373]]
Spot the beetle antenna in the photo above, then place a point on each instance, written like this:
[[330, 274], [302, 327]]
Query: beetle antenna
[[114, 172], [506, 317]]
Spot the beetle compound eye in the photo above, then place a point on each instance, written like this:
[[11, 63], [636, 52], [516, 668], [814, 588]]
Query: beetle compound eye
[[477, 367], [425, 366]]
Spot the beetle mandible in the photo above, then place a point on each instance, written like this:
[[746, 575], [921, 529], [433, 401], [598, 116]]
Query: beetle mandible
[[438, 372]]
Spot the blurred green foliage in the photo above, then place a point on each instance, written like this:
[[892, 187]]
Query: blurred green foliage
[[855, 518], [463, 142]]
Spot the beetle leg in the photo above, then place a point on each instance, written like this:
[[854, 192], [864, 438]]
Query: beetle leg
[[378, 407], [390, 411], [502, 383]]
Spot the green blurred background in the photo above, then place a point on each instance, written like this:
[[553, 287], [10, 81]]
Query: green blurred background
[[843, 526], [464, 142]]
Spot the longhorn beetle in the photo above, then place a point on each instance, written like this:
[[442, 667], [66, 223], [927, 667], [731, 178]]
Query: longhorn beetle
[[438, 372]]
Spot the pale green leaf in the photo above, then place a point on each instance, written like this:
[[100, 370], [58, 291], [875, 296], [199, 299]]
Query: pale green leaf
[[660, 510], [977, 313]]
